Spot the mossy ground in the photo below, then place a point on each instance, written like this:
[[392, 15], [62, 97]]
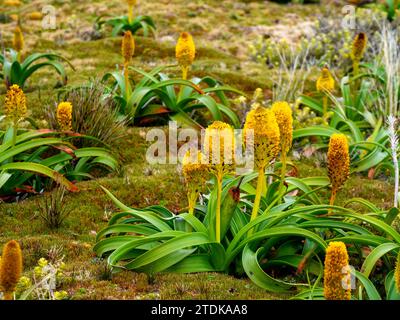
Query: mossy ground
[[222, 31]]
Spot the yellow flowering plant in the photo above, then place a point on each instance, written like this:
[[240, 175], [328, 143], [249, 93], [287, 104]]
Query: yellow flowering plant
[[14, 69], [25, 163], [222, 234], [157, 96], [141, 23], [351, 115]]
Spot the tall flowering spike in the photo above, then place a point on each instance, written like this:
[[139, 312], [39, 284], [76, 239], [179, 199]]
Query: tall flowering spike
[[64, 116], [15, 103], [325, 82], [221, 147], [131, 2], [397, 274], [10, 268], [266, 135], [185, 52], [18, 40], [283, 115], [338, 160], [219, 139], [128, 46], [195, 172], [336, 272], [359, 45]]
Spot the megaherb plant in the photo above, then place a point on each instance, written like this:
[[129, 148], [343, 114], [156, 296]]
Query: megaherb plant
[[130, 23], [158, 96], [275, 233], [27, 156], [352, 113], [16, 70]]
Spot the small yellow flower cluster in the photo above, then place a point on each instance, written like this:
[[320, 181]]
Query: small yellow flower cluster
[[15, 104], [24, 284], [64, 116], [336, 272], [61, 295], [325, 82]]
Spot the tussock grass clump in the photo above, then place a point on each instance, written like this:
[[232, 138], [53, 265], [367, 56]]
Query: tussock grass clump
[[92, 115], [53, 209]]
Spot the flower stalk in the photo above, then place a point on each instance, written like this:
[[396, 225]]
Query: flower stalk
[[261, 133], [220, 147]]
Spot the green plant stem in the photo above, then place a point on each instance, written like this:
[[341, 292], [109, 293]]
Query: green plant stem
[[218, 212], [283, 170], [130, 14], [192, 198], [325, 105], [14, 135], [332, 199], [356, 64], [259, 189], [126, 77], [184, 72], [264, 185]]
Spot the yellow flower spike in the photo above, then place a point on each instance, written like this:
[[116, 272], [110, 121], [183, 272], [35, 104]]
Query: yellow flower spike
[[266, 135], [185, 51], [220, 141], [64, 116], [266, 140], [283, 114], [128, 50], [284, 118], [338, 162], [195, 172], [359, 45], [18, 41], [35, 16], [12, 3], [397, 273], [15, 104], [336, 272], [325, 84], [128, 46], [10, 268]]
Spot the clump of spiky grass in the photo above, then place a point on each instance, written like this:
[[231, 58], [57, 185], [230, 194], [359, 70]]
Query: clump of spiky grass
[[53, 209], [92, 115]]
